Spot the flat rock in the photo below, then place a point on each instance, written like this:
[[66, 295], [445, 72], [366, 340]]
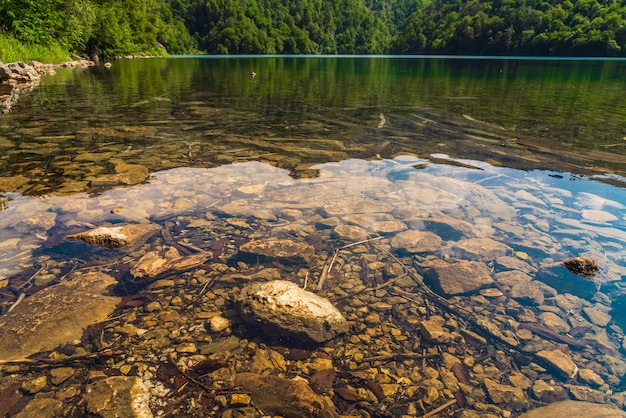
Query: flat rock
[[350, 232], [598, 215], [281, 308], [413, 241], [508, 262], [585, 393], [448, 228], [56, 315], [554, 322], [278, 248], [118, 396], [560, 362], [481, 249], [118, 236], [575, 409], [458, 278], [432, 330], [285, 397], [356, 206], [597, 316], [527, 293], [153, 263], [41, 408], [504, 394]]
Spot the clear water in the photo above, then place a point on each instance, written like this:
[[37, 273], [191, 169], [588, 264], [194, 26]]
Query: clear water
[[531, 153]]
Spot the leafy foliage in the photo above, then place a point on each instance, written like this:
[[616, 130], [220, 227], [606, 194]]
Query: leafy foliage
[[104, 27], [513, 27], [526, 27]]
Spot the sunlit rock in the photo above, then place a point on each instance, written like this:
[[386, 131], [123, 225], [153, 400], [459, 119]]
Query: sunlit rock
[[448, 228], [458, 278], [413, 241], [560, 362], [351, 233], [118, 396], [480, 249], [281, 308], [511, 396], [278, 248], [433, 330], [118, 236]]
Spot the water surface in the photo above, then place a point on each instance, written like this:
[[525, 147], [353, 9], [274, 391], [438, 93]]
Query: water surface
[[516, 164]]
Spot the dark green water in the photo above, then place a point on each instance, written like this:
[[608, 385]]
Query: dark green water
[[567, 107]]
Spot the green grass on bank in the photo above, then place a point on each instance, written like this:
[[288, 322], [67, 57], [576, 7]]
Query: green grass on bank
[[12, 50]]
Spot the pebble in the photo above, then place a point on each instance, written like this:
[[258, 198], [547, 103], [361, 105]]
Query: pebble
[[219, 323], [35, 385], [186, 348]]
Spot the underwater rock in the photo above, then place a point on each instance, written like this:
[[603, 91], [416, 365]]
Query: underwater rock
[[458, 278], [281, 308], [152, 264], [416, 241], [118, 236], [561, 362], [118, 396], [286, 397], [56, 315], [278, 248], [479, 249], [583, 266], [575, 409]]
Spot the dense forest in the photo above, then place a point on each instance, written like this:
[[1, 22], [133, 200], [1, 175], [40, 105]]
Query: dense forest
[[500, 27]]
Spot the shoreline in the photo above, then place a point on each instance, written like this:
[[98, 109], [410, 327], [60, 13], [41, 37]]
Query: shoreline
[[19, 77]]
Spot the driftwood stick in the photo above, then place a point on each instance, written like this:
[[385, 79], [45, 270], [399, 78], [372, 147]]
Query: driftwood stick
[[326, 271], [188, 376], [62, 360], [441, 408], [396, 356]]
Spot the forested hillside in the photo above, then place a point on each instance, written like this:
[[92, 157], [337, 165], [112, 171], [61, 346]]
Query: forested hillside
[[501, 27], [516, 27], [103, 27], [294, 26]]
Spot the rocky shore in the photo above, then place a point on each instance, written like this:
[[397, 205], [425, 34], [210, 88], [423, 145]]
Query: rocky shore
[[19, 77]]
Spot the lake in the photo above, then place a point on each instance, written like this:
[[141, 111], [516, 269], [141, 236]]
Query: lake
[[466, 216]]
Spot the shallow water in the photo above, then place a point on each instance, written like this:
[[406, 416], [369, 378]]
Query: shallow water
[[335, 151]]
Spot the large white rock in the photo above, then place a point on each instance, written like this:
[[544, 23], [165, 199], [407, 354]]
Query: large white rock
[[281, 308]]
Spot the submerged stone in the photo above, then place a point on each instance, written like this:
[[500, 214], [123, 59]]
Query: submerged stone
[[504, 394], [118, 396], [281, 308], [278, 248], [416, 241], [458, 278], [575, 409], [559, 361], [285, 397], [56, 315], [118, 236], [481, 249]]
